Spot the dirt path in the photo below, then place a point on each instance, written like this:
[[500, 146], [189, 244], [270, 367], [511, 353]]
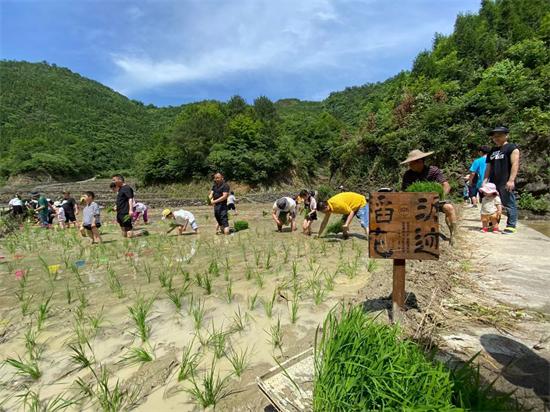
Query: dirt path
[[512, 276]]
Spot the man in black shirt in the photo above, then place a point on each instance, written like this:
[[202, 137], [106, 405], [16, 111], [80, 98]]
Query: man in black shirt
[[218, 198], [125, 208], [70, 207], [502, 170], [419, 172]]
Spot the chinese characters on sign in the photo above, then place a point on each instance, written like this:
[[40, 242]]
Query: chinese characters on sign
[[404, 226]]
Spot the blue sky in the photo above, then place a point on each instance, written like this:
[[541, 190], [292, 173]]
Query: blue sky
[[170, 52]]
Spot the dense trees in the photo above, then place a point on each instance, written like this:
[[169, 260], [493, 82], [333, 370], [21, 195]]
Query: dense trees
[[493, 69]]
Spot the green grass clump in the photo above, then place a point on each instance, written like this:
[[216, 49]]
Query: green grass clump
[[240, 225], [427, 187], [362, 365], [335, 227]]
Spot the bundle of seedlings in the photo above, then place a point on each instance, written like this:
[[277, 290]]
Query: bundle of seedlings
[[424, 186], [240, 225], [363, 365]]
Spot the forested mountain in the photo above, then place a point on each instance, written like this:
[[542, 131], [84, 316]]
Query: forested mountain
[[493, 69]]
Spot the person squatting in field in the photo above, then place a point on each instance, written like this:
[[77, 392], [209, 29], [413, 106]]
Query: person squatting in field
[[348, 204]]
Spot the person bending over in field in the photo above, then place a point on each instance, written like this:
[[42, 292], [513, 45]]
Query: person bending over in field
[[348, 204], [140, 209], [218, 198], [91, 221], [125, 207], [180, 219], [232, 202], [310, 204], [284, 213]]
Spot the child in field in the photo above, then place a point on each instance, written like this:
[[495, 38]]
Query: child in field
[[310, 204], [232, 202], [60, 214], [91, 221], [491, 207], [140, 209], [284, 213], [180, 219]]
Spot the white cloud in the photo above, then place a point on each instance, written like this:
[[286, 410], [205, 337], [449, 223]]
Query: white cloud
[[197, 41]]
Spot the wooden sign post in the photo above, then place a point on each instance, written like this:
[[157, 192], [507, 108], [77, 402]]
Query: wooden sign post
[[403, 226]]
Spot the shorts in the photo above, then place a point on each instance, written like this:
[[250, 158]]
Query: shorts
[[17, 210], [194, 225], [472, 191], [44, 219], [125, 222], [283, 217], [89, 227], [489, 218], [231, 206], [363, 215], [311, 217], [69, 216], [220, 213]]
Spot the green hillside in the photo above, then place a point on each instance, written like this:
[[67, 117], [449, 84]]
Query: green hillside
[[493, 69]]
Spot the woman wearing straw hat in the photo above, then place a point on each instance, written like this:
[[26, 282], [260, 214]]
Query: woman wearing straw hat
[[419, 171]]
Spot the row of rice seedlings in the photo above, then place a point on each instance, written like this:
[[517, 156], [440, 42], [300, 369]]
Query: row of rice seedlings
[[114, 283], [210, 389], [139, 312]]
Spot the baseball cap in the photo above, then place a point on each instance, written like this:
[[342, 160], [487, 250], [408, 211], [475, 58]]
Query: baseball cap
[[499, 129], [165, 213]]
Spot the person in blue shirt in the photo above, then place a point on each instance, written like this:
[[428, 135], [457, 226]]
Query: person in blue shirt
[[477, 173]]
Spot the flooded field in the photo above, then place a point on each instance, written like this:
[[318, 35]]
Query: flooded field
[[163, 322]]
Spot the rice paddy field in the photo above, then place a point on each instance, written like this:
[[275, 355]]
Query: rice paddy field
[[163, 322]]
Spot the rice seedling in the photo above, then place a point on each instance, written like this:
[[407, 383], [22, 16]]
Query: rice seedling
[[251, 301], [227, 266], [136, 355], [294, 270], [276, 335], [176, 296], [229, 291], [76, 272], [42, 313], [248, 273], [31, 345], [217, 339], [257, 256], [243, 251], [31, 401], [239, 360], [114, 283], [372, 265], [68, 293], [286, 251], [25, 302], [352, 349], [294, 310], [238, 321], [147, 271], [139, 312], [329, 279], [82, 299], [212, 389], [96, 320], [198, 312], [268, 257], [213, 268], [26, 369], [268, 304], [79, 356], [260, 279], [189, 362], [165, 279]]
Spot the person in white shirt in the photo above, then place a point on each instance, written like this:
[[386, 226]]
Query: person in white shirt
[[310, 204], [232, 202], [180, 219], [16, 205], [59, 214], [284, 213], [140, 209]]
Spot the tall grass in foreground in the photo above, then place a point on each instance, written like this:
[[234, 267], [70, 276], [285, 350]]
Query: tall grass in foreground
[[362, 365]]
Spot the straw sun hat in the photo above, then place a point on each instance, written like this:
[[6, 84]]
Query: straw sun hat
[[415, 155]]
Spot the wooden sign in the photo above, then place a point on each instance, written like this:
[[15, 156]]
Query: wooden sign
[[403, 226]]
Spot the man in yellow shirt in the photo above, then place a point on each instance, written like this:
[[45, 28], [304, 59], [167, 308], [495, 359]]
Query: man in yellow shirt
[[348, 204]]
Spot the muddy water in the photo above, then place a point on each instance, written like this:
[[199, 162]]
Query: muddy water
[[91, 304], [542, 226]]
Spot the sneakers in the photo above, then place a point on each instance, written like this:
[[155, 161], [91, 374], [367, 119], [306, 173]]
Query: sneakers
[[496, 229], [484, 230], [509, 230]]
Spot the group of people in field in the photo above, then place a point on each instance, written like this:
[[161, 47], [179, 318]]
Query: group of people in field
[[491, 183]]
